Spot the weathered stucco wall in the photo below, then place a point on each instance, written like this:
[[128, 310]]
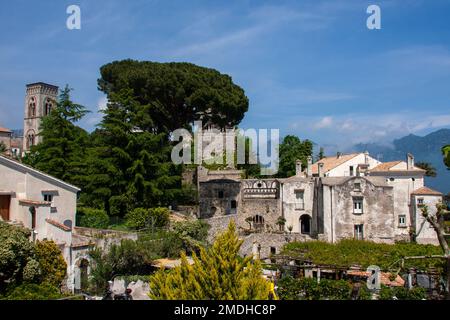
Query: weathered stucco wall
[[377, 217], [425, 233], [292, 208]]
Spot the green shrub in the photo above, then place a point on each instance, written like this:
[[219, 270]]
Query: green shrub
[[17, 256], [197, 229], [402, 293], [52, 263], [308, 289], [127, 258], [93, 218], [141, 218], [365, 253], [32, 291]]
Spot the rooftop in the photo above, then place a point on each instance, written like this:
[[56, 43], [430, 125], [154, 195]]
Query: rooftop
[[41, 84], [394, 166], [330, 163], [427, 191], [5, 130]]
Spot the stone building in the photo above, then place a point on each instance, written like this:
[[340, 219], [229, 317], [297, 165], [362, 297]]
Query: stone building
[[5, 139], [40, 98], [346, 196]]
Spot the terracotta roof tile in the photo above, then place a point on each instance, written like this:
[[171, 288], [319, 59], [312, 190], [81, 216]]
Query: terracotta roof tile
[[386, 166], [58, 225], [384, 279], [427, 191], [330, 163], [5, 130]]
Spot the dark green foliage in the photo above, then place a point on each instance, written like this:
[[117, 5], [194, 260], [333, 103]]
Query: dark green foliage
[[402, 293], [62, 152], [126, 258], [130, 165], [290, 150], [171, 95], [430, 171], [25, 265], [93, 218], [446, 153], [33, 291], [365, 253], [3, 147], [308, 289]]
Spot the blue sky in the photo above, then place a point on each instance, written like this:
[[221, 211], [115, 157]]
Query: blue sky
[[310, 68]]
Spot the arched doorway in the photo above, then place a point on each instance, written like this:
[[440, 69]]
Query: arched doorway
[[82, 275], [305, 224]]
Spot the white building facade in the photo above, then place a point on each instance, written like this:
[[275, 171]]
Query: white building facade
[[43, 204]]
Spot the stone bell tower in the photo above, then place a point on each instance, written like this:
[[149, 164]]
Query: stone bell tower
[[39, 100]]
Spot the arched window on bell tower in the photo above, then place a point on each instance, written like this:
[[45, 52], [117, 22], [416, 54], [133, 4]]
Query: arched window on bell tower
[[30, 139], [48, 106], [32, 107]]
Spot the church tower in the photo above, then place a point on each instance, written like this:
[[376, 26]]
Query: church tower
[[39, 100]]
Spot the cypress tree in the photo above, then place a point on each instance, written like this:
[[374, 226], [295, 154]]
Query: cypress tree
[[217, 273]]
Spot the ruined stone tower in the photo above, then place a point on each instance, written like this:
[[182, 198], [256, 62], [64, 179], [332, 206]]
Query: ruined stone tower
[[39, 100]]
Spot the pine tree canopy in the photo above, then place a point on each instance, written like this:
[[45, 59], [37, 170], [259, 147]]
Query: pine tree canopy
[[173, 95]]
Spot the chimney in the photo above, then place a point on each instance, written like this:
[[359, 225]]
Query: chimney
[[320, 169], [309, 167], [366, 157], [338, 155], [298, 168], [409, 161]]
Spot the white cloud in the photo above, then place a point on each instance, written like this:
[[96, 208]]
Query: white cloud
[[325, 122], [347, 130], [95, 117], [102, 103], [255, 25]]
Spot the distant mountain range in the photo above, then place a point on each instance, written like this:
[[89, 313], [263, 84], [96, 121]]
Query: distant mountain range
[[424, 149]]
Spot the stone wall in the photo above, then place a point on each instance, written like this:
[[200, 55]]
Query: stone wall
[[268, 242], [377, 216], [219, 224], [216, 197]]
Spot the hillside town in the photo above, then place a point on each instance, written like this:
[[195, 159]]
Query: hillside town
[[327, 200]]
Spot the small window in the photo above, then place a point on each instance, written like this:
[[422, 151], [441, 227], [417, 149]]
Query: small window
[[220, 194], [233, 204], [49, 197], [359, 231], [391, 179], [358, 205], [357, 186], [273, 250], [401, 220], [351, 171], [299, 199], [420, 202]]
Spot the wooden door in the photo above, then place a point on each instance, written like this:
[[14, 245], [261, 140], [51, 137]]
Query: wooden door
[[4, 207]]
